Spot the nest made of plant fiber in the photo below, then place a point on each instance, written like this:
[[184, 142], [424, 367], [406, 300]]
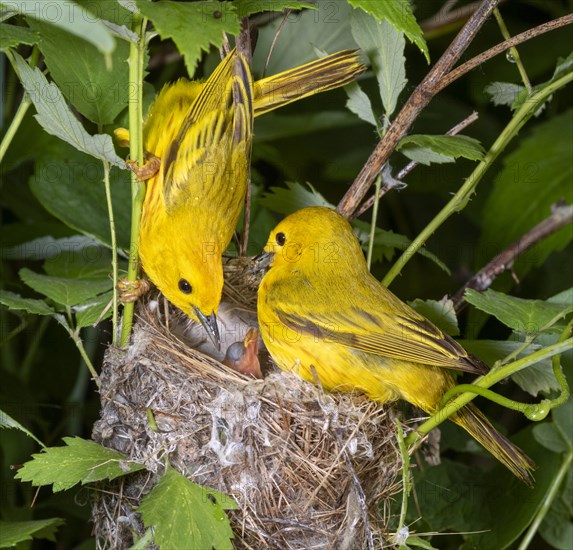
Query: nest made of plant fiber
[[307, 469]]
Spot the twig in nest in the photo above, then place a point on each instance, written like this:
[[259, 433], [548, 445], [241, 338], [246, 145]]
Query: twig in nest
[[420, 97], [560, 217], [411, 165]]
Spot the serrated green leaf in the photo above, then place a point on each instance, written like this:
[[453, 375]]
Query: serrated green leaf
[[15, 302], [187, 515], [86, 79], [441, 313], [70, 186], [248, 7], [523, 316], [399, 14], [69, 16], [384, 46], [534, 177], [359, 103], [6, 421], [209, 20], [503, 93], [12, 36], [80, 461], [90, 313], [14, 532], [65, 291], [55, 116], [426, 149]]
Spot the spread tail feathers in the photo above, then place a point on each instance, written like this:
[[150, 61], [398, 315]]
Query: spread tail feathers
[[476, 424]]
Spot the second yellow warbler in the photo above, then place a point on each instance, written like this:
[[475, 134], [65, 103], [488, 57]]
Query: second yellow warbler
[[201, 134]]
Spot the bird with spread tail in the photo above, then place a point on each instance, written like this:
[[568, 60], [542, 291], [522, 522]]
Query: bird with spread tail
[[323, 315], [198, 139]]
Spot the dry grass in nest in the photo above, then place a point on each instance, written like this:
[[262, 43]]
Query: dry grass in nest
[[307, 469]]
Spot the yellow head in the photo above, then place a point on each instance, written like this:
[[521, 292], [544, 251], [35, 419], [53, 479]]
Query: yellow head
[[315, 239], [189, 273]]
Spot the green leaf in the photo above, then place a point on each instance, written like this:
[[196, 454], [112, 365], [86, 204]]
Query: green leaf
[[387, 242], [359, 103], [12, 36], [426, 149], [65, 291], [80, 263], [96, 90], [90, 313], [208, 19], [327, 28], [274, 126], [557, 527], [523, 316], [535, 176], [548, 435], [384, 46], [80, 461], [399, 14], [14, 532], [44, 247], [187, 515], [248, 7], [69, 16], [294, 197], [15, 302], [503, 93], [70, 186], [534, 379], [6, 421], [441, 313], [56, 118], [419, 542]]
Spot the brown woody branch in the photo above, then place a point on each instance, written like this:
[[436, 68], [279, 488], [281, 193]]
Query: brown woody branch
[[482, 280], [437, 79]]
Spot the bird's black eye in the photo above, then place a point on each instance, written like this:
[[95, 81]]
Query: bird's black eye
[[281, 239], [185, 286]]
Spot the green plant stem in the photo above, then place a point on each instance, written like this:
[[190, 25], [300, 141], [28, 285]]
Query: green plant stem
[[406, 482], [14, 125], [533, 411], [20, 112], [461, 198], [377, 185], [486, 381], [558, 371], [80, 345], [547, 501], [26, 365], [107, 186], [136, 54], [513, 51]]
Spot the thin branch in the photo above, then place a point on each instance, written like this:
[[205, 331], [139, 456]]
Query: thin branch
[[503, 46], [561, 216], [421, 96], [411, 165]]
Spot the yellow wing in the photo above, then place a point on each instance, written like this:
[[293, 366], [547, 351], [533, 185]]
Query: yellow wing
[[212, 148], [324, 74], [414, 340]]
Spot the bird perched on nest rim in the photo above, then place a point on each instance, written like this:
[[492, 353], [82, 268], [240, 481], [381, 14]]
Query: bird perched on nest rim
[[198, 137], [321, 310]]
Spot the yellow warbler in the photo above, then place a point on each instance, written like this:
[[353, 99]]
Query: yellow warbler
[[201, 133], [320, 309]]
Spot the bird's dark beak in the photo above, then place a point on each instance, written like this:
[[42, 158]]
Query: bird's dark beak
[[262, 261], [210, 326]]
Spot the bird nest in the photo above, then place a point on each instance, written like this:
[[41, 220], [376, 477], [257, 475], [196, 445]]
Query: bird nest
[[307, 469]]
